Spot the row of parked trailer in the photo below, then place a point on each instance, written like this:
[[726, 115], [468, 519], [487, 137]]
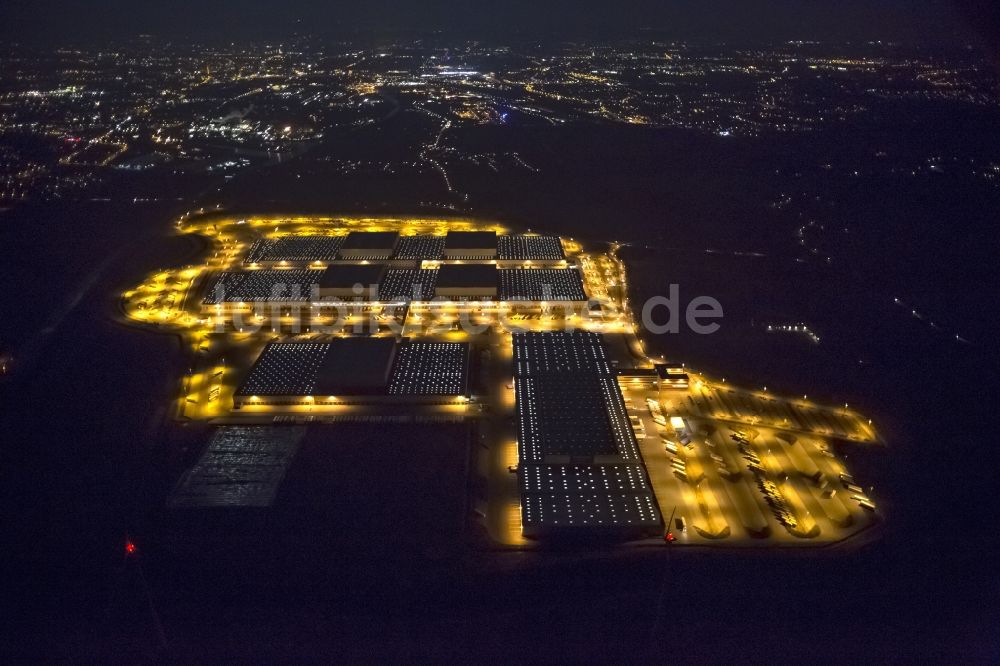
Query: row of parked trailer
[[772, 494], [858, 492]]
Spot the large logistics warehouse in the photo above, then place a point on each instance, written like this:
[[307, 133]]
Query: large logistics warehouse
[[506, 251], [376, 283], [580, 470]]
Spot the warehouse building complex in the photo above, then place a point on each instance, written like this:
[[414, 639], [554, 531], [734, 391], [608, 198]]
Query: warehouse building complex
[[580, 470], [235, 291], [406, 251], [382, 269]]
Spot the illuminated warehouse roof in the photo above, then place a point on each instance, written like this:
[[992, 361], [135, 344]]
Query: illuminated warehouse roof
[[263, 286], [517, 246], [294, 248], [420, 247], [560, 351], [383, 244], [579, 459], [358, 366], [430, 368], [627, 478], [541, 284], [285, 368], [613, 510], [414, 284], [574, 414]]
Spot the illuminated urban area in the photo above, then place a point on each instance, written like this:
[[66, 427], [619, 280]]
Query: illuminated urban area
[[189, 110]]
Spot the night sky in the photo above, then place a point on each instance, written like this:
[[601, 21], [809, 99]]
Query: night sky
[[930, 21]]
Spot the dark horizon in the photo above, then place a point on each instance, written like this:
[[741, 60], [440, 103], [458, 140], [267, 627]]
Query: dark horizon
[[940, 22]]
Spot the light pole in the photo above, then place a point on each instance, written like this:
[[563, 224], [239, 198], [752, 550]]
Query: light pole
[[668, 537], [132, 555]]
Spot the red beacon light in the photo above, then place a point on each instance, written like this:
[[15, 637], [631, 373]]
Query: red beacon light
[[130, 548], [669, 537]]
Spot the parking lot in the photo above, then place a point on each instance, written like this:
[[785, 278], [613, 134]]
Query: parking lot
[[736, 484]]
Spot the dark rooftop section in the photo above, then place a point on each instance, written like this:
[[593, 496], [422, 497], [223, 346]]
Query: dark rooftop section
[[370, 240], [470, 240], [345, 276], [467, 275], [670, 371], [571, 414], [356, 366]]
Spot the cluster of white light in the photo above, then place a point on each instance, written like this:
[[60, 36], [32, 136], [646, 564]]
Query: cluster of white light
[[541, 284], [285, 368], [618, 418], [529, 444], [420, 247], [589, 509], [374, 256], [263, 286], [294, 248], [560, 351], [471, 257], [583, 478], [517, 246], [429, 368], [408, 283]]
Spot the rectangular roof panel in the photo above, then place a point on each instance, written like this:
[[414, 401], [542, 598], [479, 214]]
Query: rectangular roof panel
[[525, 247], [473, 276], [575, 510], [262, 286], [613, 477], [294, 248], [541, 284], [471, 240], [430, 368], [356, 366]]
